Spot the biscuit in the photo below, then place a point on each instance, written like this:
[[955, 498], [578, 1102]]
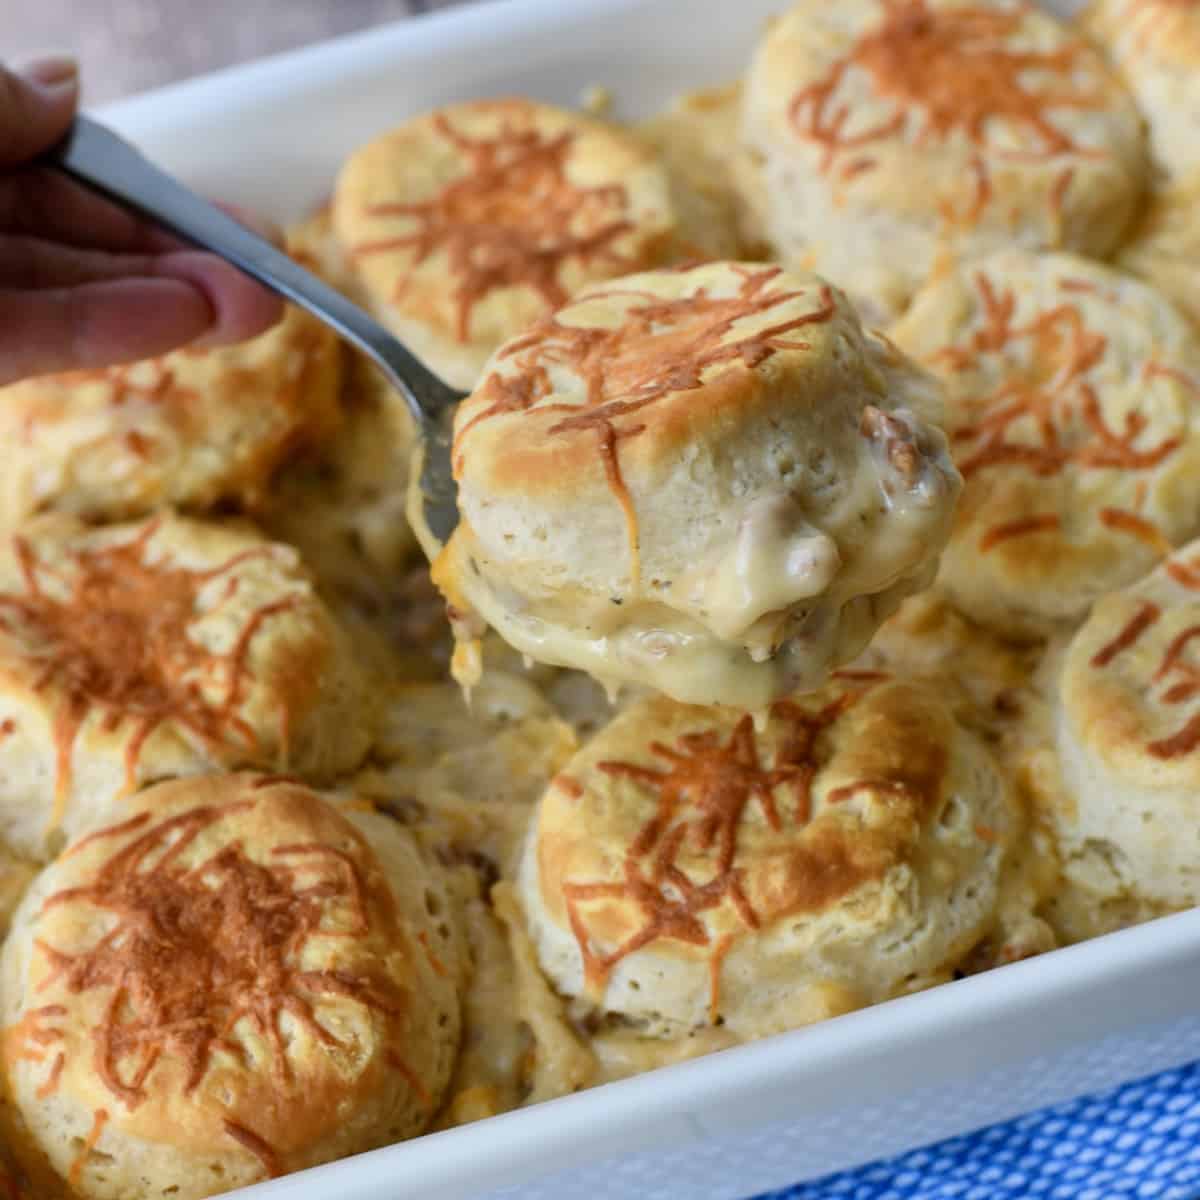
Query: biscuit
[[464, 782], [465, 779], [708, 480], [686, 870], [133, 653], [699, 137], [344, 510], [469, 223], [233, 982], [1164, 248], [1156, 46], [1127, 733], [1073, 408], [895, 132], [982, 677], [193, 429]]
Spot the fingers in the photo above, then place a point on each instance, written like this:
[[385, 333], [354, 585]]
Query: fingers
[[191, 298], [34, 264], [241, 308], [47, 204], [36, 108], [82, 283], [97, 324], [104, 242]]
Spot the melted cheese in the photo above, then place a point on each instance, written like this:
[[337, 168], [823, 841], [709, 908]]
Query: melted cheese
[[621, 1053], [489, 1076], [777, 560], [562, 1063]]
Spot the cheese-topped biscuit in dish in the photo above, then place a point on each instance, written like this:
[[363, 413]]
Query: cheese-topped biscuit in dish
[[709, 480], [1164, 248], [344, 509], [465, 779], [1156, 46], [469, 223], [193, 429], [685, 869], [1073, 411], [895, 131], [700, 137], [234, 981], [984, 678], [136, 652], [1128, 740]]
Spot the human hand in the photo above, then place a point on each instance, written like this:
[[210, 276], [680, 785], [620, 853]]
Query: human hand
[[83, 283]]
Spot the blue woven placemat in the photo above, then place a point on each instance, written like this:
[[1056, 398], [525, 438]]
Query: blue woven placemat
[[1137, 1142]]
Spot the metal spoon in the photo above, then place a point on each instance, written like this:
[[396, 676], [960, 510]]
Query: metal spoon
[[106, 163]]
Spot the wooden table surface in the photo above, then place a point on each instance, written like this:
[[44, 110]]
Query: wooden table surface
[[126, 46]]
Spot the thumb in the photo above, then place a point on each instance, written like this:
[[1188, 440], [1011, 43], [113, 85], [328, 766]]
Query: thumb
[[37, 105]]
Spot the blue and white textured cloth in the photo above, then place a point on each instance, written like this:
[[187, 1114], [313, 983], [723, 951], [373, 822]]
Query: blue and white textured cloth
[[1137, 1142]]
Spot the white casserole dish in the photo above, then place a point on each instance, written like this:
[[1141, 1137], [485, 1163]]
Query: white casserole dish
[[795, 1107]]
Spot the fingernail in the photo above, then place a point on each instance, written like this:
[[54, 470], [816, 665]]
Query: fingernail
[[55, 73]]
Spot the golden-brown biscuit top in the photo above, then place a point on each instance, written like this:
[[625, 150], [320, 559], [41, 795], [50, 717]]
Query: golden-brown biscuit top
[[511, 216], [688, 829], [1131, 680], [111, 627], [895, 134], [1073, 405], [223, 968], [207, 632], [473, 220], [947, 70], [626, 373], [984, 88], [192, 429]]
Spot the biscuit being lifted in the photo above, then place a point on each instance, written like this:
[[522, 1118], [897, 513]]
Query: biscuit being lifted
[[894, 132], [233, 981], [136, 652], [193, 429], [1156, 45], [710, 481], [469, 223], [685, 870], [1073, 410], [1128, 742]]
